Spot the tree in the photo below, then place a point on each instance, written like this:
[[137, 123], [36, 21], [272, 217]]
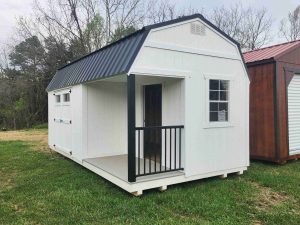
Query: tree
[[29, 103], [249, 26], [290, 27], [257, 28], [121, 32]]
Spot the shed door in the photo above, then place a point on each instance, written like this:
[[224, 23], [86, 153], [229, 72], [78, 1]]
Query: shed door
[[153, 117], [294, 115]]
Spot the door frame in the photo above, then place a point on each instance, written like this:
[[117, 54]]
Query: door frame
[[289, 73]]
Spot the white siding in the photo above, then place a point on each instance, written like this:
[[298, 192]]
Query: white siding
[[294, 115], [65, 136], [176, 52], [106, 119]]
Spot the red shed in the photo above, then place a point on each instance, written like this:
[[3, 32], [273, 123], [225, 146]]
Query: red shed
[[275, 102]]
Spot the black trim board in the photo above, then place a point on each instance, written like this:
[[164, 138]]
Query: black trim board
[[131, 128], [56, 83], [261, 62]]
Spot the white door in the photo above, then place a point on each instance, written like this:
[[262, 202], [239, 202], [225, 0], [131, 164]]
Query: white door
[[294, 115]]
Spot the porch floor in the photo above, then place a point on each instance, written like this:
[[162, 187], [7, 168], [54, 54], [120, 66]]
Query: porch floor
[[117, 166]]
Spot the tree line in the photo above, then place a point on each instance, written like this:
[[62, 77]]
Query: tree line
[[61, 31]]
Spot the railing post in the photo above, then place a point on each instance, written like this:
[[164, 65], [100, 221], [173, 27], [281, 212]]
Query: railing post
[[131, 127]]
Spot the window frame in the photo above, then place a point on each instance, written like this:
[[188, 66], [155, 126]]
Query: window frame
[[217, 124], [55, 99], [63, 99]]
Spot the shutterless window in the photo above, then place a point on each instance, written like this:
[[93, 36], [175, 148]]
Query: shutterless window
[[67, 97], [218, 100], [57, 98]]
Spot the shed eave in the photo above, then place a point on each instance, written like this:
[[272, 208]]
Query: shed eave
[[260, 62]]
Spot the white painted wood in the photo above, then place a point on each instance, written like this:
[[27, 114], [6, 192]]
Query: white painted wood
[[222, 146], [163, 188], [65, 121], [294, 115], [106, 119], [181, 62], [184, 49]]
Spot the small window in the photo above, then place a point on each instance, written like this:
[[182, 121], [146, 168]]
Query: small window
[[57, 98], [218, 100], [67, 97]]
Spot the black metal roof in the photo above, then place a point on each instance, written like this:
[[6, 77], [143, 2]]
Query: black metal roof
[[113, 59]]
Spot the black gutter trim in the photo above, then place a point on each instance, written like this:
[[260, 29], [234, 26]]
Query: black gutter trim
[[201, 17], [261, 62], [186, 18], [276, 113], [153, 26], [146, 31]]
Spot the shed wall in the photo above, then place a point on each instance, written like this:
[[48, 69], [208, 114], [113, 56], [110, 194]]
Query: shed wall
[[289, 60], [262, 116], [66, 136], [106, 119], [208, 148]]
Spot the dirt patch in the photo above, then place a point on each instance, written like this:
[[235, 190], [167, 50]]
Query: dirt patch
[[38, 138], [6, 181], [256, 222], [268, 198]]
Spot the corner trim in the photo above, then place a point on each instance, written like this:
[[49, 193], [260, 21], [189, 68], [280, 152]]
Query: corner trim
[[276, 113]]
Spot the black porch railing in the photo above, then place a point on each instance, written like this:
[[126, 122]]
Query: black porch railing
[[158, 149]]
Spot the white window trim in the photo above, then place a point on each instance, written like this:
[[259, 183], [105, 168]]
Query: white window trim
[[208, 124], [62, 102], [57, 103]]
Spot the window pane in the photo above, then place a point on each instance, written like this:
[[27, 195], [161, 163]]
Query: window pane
[[214, 95], [223, 95], [213, 106], [213, 116], [223, 106], [224, 84], [66, 97], [214, 84], [222, 116], [57, 98]]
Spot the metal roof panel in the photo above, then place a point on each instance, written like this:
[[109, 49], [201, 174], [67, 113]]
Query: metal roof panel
[[269, 52]]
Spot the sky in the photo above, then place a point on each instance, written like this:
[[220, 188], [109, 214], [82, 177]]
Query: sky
[[278, 9]]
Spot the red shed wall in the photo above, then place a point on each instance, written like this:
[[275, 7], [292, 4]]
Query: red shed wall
[[262, 125]]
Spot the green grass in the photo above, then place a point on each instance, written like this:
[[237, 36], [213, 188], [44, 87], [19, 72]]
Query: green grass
[[40, 126], [40, 188]]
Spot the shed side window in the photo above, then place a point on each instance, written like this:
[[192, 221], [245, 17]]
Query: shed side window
[[218, 100], [67, 97], [57, 98]]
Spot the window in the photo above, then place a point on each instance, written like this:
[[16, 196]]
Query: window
[[67, 97], [57, 98], [218, 100]]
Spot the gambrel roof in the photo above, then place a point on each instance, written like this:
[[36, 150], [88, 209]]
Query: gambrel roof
[[113, 59]]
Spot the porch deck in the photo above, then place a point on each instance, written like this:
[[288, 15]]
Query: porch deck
[[117, 166]]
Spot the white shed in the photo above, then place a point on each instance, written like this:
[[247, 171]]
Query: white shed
[[165, 105]]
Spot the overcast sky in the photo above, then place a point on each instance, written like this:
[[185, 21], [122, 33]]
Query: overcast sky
[[278, 9]]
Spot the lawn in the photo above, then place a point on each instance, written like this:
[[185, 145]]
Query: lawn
[[37, 187]]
